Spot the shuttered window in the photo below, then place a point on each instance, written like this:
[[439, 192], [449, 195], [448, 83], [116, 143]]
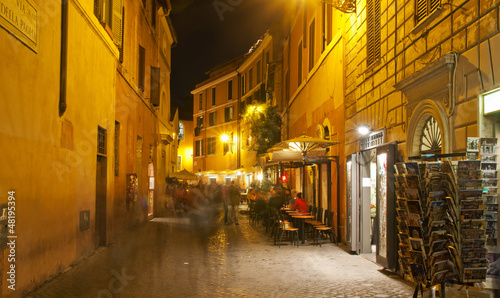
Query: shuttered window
[[198, 151], [312, 39], [228, 114], [424, 8], [142, 67], [373, 31], [155, 86], [212, 118], [211, 142], [229, 90], [110, 14]]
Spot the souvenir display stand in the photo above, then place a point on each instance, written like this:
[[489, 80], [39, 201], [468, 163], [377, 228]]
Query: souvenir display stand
[[441, 222]]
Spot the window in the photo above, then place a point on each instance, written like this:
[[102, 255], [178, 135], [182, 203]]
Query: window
[[101, 141], [299, 64], [142, 67], [329, 24], [117, 148], [326, 25], [430, 139], [179, 163], [230, 90], [198, 148], [373, 31], [155, 86], [181, 131], [424, 8], [250, 78], [200, 101], [227, 145], [312, 37], [110, 15], [153, 13], [259, 70], [213, 96], [211, 145], [212, 118], [228, 114], [199, 122], [243, 85]]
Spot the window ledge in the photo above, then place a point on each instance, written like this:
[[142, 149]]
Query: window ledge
[[426, 21]]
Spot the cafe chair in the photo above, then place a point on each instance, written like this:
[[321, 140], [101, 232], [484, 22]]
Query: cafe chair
[[289, 230], [316, 221], [252, 215], [326, 229]]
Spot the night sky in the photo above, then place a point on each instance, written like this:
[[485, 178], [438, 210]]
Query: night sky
[[211, 32]]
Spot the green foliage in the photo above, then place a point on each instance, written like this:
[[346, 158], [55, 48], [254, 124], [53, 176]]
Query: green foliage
[[264, 127], [264, 185]]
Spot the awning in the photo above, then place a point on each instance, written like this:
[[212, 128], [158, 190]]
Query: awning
[[288, 155]]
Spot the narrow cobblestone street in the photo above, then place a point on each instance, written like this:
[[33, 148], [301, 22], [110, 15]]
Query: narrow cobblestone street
[[198, 256]]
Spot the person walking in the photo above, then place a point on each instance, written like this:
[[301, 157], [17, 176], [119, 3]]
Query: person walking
[[225, 201], [234, 200]]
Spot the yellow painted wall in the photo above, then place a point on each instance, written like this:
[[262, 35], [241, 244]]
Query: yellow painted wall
[[50, 161], [186, 146], [319, 98]]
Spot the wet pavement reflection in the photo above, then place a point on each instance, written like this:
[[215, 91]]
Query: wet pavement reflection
[[197, 255]]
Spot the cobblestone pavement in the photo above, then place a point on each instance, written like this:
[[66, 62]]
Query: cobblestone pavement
[[199, 256]]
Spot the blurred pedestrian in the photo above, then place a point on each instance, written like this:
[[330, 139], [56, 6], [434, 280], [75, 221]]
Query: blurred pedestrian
[[234, 200], [225, 201]]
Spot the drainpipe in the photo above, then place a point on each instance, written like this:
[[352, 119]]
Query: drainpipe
[[64, 58]]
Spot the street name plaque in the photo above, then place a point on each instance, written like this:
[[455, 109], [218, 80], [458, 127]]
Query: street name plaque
[[20, 18]]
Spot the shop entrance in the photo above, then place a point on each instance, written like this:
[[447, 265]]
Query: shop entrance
[[371, 205]]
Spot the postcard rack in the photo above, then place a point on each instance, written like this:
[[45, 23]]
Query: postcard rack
[[441, 222]]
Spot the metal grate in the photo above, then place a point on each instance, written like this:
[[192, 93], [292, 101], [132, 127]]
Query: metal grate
[[101, 141]]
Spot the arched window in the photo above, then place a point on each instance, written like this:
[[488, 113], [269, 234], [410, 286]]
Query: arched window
[[430, 138]]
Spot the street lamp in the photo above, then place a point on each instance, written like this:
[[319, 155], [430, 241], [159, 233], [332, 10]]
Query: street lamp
[[364, 129], [227, 139]]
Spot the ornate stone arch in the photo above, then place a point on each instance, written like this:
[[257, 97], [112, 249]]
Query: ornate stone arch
[[421, 114]]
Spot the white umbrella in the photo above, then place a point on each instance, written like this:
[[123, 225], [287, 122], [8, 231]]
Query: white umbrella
[[304, 144]]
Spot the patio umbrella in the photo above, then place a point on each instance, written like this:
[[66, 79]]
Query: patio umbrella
[[184, 175], [304, 144]]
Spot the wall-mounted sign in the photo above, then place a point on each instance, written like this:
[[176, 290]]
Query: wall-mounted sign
[[372, 140], [491, 102], [20, 17]]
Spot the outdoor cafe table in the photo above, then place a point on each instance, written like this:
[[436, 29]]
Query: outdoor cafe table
[[302, 218]]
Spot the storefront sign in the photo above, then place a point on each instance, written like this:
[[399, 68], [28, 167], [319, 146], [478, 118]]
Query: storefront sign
[[374, 139], [20, 17]]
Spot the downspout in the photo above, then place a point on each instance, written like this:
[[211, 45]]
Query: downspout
[[452, 85], [453, 82], [64, 58]]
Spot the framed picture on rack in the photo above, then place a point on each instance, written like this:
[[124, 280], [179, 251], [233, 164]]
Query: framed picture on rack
[[472, 144]]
